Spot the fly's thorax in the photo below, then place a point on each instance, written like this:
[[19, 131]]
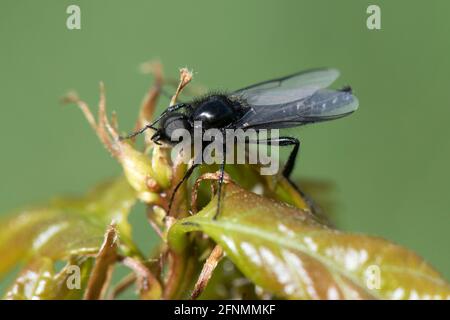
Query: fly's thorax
[[215, 111]]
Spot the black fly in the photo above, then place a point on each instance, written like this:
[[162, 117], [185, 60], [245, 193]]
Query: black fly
[[291, 101]]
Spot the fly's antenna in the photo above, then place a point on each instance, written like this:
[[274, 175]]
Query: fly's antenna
[[134, 134], [149, 126], [152, 125]]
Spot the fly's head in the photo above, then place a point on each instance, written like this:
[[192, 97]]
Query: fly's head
[[171, 128]]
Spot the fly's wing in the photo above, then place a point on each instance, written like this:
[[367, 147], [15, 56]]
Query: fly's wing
[[323, 105], [294, 100], [293, 87]]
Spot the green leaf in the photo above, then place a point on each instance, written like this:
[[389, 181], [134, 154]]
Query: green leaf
[[67, 227], [289, 253], [38, 281]]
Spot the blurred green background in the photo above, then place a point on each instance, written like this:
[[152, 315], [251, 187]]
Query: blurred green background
[[388, 162]]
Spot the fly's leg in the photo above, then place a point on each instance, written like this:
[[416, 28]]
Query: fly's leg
[[289, 166], [282, 142], [180, 183], [186, 176], [219, 189]]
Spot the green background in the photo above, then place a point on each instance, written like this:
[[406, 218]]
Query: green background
[[388, 162]]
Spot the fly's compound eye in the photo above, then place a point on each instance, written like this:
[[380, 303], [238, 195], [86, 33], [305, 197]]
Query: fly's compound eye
[[172, 124]]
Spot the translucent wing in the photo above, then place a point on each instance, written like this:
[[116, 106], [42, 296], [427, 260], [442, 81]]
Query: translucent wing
[[291, 88], [322, 105]]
